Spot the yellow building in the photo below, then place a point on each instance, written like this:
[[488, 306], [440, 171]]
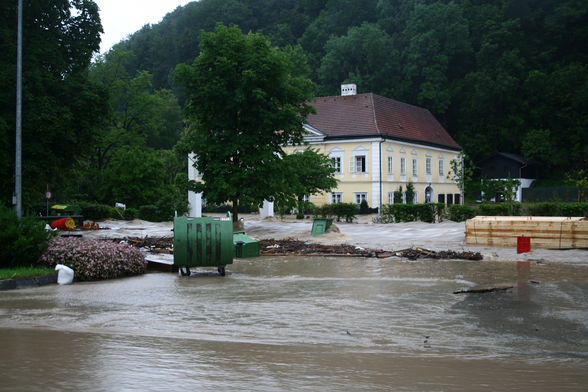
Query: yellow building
[[377, 145]]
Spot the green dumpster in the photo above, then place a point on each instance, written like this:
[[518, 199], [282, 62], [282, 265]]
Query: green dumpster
[[245, 246], [320, 226], [203, 242]]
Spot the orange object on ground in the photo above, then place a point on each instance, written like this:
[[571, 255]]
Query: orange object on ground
[[63, 224]]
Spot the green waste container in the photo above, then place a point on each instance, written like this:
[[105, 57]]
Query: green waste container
[[245, 246], [203, 242], [320, 226]]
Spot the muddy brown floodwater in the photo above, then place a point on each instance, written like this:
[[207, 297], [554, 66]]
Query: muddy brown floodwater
[[304, 324]]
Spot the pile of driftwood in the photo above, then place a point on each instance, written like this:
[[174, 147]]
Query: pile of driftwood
[[151, 244], [418, 253], [291, 247]]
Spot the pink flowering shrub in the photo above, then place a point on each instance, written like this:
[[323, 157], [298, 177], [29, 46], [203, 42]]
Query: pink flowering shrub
[[95, 260]]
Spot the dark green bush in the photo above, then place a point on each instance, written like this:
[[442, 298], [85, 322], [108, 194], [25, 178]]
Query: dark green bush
[[95, 211], [499, 209], [130, 213], [427, 212], [324, 211], [574, 209], [543, 209], [348, 211], [364, 208], [171, 201], [306, 208], [22, 243], [430, 212], [150, 213], [460, 213], [401, 213]]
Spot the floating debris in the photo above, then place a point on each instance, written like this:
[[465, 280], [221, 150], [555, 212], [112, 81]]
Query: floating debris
[[485, 289], [418, 253], [292, 247], [150, 244]]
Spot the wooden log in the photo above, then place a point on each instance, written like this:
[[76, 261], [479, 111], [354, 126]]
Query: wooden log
[[485, 289]]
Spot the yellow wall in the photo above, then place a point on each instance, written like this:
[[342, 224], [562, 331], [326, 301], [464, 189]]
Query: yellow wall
[[369, 182]]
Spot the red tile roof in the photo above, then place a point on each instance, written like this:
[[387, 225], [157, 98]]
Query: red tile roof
[[365, 115]]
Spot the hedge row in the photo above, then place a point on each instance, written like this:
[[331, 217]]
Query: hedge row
[[346, 211], [435, 212], [152, 212]]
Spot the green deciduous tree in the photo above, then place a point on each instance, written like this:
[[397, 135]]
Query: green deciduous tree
[[365, 56], [309, 173], [62, 109], [461, 172], [243, 103]]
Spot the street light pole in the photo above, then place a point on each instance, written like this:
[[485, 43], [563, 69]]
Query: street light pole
[[18, 144]]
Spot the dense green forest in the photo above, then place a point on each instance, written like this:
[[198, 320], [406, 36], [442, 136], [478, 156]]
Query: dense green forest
[[501, 75]]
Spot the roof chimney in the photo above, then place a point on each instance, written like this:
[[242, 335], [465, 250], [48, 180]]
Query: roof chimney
[[348, 89]]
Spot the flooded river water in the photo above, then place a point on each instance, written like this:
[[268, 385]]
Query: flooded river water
[[304, 324]]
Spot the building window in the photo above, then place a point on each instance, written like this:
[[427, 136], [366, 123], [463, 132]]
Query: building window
[[390, 197], [441, 198], [414, 168], [336, 164], [449, 198], [336, 197], [390, 165], [359, 161], [403, 166], [306, 198], [360, 196], [428, 166], [441, 168]]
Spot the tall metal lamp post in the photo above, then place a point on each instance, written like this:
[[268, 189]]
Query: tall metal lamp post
[[18, 144]]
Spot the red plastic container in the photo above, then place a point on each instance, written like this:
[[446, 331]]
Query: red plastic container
[[523, 244], [66, 223]]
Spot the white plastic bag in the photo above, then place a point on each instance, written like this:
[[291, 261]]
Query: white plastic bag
[[65, 274]]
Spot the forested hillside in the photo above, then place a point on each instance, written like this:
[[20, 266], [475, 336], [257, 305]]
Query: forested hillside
[[502, 75], [506, 75]]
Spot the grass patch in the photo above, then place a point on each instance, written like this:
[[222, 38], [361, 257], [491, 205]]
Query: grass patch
[[24, 272]]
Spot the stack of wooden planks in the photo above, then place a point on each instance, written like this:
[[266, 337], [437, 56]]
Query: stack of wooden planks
[[544, 231]]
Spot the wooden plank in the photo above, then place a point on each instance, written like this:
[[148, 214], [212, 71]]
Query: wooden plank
[[545, 232], [530, 218]]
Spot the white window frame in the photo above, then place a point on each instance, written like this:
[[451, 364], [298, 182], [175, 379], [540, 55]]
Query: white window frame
[[441, 167], [415, 169], [390, 164], [360, 196], [360, 162], [428, 166], [336, 164], [390, 197], [359, 154], [336, 197], [403, 166]]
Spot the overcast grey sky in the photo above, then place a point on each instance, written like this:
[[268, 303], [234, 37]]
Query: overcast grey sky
[[121, 18]]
